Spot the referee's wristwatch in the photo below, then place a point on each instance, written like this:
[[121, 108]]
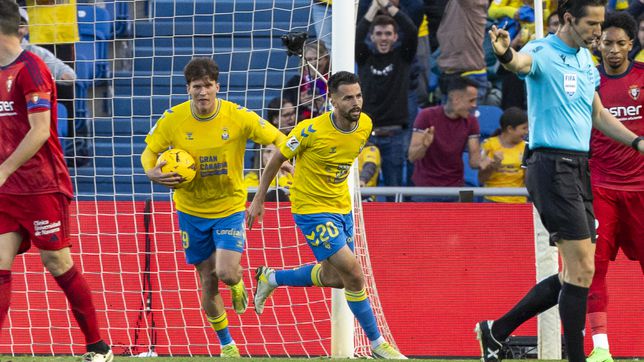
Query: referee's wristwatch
[[636, 142]]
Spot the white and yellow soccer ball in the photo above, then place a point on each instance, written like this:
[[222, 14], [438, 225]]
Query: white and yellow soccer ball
[[179, 161]]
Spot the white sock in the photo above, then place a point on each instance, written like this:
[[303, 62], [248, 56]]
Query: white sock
[[224, 345], [377, 342], [271, 280], [600, 340]]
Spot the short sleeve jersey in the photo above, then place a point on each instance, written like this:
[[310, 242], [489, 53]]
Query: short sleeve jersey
[[614, 165], [323, 157], [561, 87], [217, 145], [27, 87]]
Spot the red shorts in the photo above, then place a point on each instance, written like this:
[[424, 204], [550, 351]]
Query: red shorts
[[41, 219], [621, 223]]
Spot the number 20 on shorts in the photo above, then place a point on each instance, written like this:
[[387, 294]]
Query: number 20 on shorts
[[322, 234]]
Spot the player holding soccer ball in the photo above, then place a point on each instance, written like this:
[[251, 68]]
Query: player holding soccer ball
[[210, 208], [35, 187]]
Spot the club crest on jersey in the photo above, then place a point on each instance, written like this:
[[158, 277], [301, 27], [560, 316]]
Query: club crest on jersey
[[9, 83], [570, 84], [35, 98], [224, 134], [634, 92]]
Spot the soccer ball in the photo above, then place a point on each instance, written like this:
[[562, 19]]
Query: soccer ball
[[179, 161]]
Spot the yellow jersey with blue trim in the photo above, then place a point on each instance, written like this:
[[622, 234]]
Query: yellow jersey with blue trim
[[323, 156], [370, 154], [217, 142]]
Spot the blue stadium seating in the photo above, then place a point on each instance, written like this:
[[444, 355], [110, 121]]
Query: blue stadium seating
[[488, 118], [63, 117], [471, 175], [246, 45]]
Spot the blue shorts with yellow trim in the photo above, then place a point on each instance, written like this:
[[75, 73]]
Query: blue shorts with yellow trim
[[201, 237], [326, 233]]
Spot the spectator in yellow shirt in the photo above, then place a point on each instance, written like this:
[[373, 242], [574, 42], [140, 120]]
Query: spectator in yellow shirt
[[503, 153]]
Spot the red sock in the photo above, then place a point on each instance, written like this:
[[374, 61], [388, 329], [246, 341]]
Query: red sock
[[5, 294], [598, 292], [80, 298]]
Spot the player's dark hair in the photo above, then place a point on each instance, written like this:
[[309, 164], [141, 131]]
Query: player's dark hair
[[459, 84], [340, 78], [512, 117], [10, 19], [201, 68], [621, 20], [383, 20], [576, 8]]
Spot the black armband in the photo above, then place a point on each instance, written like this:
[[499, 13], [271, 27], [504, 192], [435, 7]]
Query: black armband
[[505, 57], [636, 142]]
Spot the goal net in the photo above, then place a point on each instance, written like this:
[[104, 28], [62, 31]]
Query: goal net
[[129, 65]]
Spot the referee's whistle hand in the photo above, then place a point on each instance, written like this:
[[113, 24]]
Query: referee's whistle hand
[[500, 39]]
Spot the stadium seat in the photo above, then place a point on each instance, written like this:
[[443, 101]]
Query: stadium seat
[[471, 175], [488, 117], [95, 30], [62, 120]]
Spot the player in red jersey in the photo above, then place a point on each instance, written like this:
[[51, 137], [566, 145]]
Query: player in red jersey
[[35, 187], [617, 171]]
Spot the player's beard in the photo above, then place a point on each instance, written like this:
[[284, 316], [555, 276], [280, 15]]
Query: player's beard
[[353, 114]]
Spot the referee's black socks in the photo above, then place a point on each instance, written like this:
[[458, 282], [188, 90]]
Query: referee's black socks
[[572, 309], [540, 298]]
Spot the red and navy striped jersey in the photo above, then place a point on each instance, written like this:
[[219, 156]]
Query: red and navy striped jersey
[[27, 86]]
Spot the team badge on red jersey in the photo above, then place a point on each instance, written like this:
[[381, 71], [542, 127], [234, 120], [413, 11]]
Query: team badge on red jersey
[[9, 83], [634, 92]]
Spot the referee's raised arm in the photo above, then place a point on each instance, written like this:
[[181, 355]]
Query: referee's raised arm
[[510, 59]]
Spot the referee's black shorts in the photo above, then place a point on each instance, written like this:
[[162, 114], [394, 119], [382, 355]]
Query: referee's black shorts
[[559, 183]]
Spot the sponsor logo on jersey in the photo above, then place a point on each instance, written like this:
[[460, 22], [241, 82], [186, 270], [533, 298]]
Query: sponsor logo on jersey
[[634, 92], [46, 227], [6, 106], [626, 113]]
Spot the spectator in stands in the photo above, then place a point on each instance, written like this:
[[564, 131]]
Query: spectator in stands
[[517, 16], [308, 90], [460, 35], [369, 162], [552, 22], [283, 180], [385, 80], [61, 71], [636, 8], [503, 154], [440, 135], [282, 114], [637, 53]]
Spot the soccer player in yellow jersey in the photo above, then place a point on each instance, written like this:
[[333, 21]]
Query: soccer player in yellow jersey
[[210, 208], [325, 147]]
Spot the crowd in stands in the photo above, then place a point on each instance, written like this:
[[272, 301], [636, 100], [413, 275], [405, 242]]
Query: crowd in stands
[[411, 56]]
